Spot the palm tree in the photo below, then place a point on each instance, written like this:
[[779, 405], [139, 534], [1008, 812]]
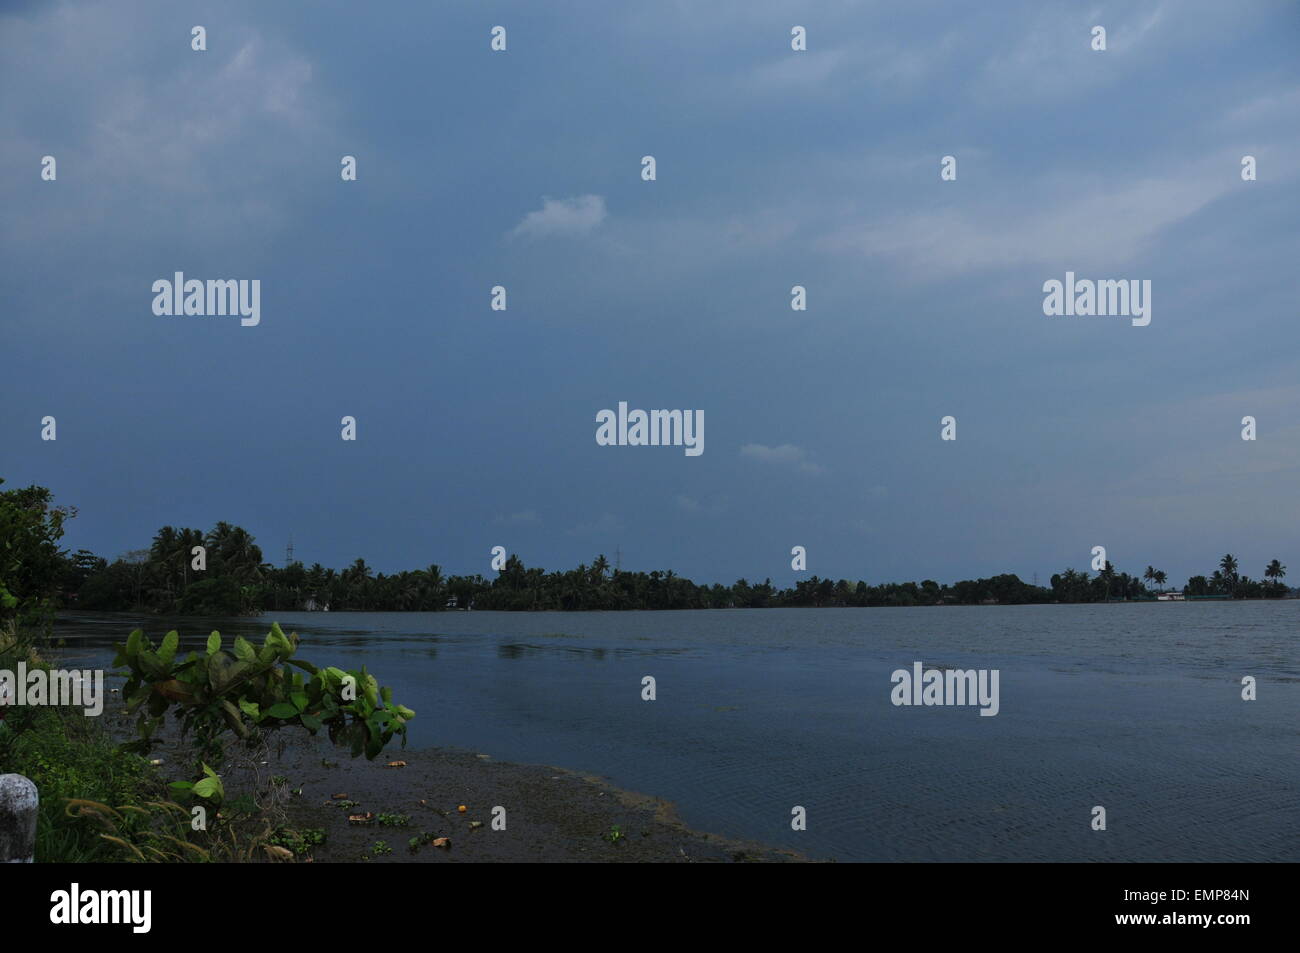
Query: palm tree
[[1160, 579], [1108, 574], [1229, 566], [1275, 572], [433, 585], [1150, 574], [186, 541]]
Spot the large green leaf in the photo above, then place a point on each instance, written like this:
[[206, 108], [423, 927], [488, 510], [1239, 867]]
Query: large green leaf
[[170, 643], [207, 787]]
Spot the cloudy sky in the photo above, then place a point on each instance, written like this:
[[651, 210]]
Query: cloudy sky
[[821, 168]]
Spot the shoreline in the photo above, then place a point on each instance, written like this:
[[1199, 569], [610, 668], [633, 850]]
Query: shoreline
[[552, 814]]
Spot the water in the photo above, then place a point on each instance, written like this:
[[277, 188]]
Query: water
[[1133, 707]]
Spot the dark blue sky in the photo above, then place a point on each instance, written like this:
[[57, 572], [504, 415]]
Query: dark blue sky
[[775, 168]]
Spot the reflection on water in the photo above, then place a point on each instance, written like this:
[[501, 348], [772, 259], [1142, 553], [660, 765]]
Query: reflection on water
[[1133, 707]]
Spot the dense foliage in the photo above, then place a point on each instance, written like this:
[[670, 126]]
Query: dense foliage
[[31, 564], [249, 692], [232, 578]]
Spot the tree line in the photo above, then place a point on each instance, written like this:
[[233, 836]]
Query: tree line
[[186, 571]]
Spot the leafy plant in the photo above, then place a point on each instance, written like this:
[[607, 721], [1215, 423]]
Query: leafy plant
[[298, 842], [394, 820], [251, 691], [209, 787], [615, 835]]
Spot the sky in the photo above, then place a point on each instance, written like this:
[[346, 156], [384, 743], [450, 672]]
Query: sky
[[774, 168]]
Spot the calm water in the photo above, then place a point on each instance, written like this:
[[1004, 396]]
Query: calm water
[[1134, 707]]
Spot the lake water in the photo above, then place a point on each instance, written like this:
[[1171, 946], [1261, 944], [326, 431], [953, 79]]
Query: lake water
[[1134, 707]]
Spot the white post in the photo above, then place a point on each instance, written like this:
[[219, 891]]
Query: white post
[[18, 800]]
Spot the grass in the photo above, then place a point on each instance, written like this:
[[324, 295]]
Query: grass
[[67, 755]]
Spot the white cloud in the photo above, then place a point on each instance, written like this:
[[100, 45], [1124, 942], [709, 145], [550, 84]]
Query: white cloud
[[170, 139], [1089, 224], [785, 455], [563, 217]]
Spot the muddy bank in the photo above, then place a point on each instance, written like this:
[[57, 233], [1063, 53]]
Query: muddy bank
[[551, 815]]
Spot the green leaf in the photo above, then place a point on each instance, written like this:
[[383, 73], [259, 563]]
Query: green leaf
[[311, 722], [251, 709], [219, 665], [299, 700], [151, 664], [171, 641], [243, 650], [207, 787], [134, 643], [214, 643], [282, 710]]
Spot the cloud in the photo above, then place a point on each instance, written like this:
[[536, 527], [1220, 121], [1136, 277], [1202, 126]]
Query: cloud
[[785, 455], [571, 217], [190, 140], [1099, 225]]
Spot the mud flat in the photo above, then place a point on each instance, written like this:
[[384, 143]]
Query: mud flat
[[551, 815]]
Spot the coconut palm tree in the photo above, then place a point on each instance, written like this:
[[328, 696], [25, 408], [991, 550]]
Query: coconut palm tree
[[1160, 579], [1108, 575], [1275, 572], [433, 583]]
